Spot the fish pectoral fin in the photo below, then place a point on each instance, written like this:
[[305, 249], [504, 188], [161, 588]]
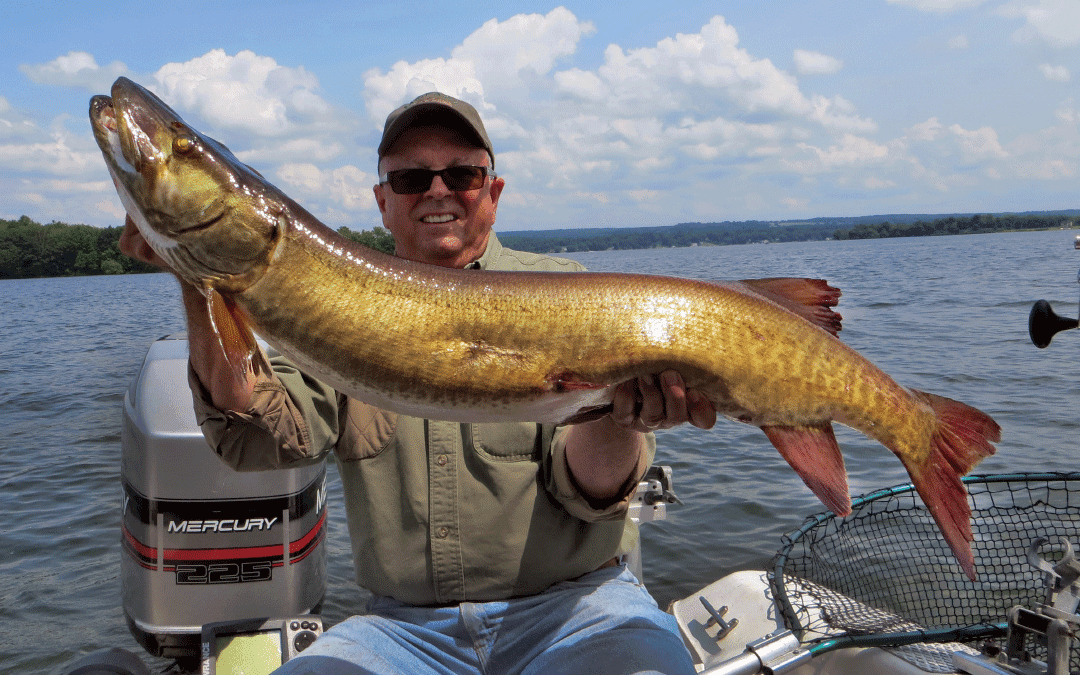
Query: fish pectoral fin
[[813, 453], [962, 439], [590, 414], [568, 380], [237, 342], [812, 299]]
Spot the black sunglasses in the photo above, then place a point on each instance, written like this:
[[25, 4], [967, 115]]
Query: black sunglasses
[[456, 178]]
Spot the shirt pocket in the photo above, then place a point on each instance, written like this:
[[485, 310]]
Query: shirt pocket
[[366, 431], [515, 442]]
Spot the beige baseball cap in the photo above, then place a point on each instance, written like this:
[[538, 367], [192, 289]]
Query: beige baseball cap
[[437, 109]]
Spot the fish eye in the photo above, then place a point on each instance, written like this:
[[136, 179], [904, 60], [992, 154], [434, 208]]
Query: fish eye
[[183, 144]]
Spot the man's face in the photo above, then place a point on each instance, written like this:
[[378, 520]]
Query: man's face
[[438, 226]]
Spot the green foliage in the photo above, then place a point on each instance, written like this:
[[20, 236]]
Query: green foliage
[[379, 238], [30, 249], [684, 234], [1008, 222], [749, 232]]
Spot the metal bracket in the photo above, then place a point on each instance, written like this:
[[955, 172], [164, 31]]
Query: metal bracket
[[718, 619], [771, 655], [653, 496], [1054, 623]]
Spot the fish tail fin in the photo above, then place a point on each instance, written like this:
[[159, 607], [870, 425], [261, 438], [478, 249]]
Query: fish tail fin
[[813, 453], [237, 341], [812, 299], [962, 439]]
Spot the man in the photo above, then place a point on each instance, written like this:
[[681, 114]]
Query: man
[[488, 548]]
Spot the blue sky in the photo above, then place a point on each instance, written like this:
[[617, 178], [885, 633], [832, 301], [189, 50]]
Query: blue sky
[[602, 114]]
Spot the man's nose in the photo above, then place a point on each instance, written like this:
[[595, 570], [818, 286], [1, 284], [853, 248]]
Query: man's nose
[[438, 187]]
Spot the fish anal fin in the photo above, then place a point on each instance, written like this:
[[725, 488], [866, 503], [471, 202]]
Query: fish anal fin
[[811, 299], [237, 341], [813, 453], [963, 438]]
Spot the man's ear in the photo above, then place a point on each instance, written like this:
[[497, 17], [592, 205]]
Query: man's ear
[[380, 198], [496, 189]]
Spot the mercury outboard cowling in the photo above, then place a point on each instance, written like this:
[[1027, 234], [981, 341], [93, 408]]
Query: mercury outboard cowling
[[203, 543]]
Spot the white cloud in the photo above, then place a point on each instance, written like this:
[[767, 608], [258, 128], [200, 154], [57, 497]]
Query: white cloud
[[58, 152], [593, 196], [75, 69], [814, 63], [1067, 114], [644, 117], [945, 155], [930, 130], [405, 81], [939, 6], [977, 145], [345, 186], [1056, 22], [849, 151], [1054, 73], [692, 127], [875, 183], [246, 91], [504, 57], [309, 148], [526, 42]]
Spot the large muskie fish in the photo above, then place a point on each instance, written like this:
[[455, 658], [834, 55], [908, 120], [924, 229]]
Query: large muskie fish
[[516, 346]]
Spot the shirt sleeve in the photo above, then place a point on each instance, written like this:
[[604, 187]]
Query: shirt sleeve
[[290, 420], [562, 486]]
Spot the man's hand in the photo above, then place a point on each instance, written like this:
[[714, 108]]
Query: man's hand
[[205, 349], [133, 245], [660, 402], [603, 454]]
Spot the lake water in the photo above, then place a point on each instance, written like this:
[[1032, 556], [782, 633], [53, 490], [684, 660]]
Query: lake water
[[946, 314]]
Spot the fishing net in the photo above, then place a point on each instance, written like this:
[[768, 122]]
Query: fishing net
[[884, 571]]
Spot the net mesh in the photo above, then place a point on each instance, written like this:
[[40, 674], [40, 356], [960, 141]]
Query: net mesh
[[886, 570]]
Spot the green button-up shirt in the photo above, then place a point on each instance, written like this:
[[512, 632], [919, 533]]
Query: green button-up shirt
[[439, 512]]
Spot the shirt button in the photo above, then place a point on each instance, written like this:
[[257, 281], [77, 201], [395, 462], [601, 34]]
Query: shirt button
[[443, 532], [442, 460]]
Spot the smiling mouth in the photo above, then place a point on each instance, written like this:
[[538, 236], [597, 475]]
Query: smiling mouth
[[435, 220]]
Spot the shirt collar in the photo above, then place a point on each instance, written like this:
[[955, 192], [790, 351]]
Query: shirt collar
[[491, 254]]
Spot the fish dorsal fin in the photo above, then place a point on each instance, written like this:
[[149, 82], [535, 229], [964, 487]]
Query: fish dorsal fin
[[815, 456], [235, 336], [811, 299]]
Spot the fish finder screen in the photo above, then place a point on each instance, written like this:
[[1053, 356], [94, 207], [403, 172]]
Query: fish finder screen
[[251, 654]]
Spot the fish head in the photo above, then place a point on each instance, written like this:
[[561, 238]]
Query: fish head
[[212, 218]]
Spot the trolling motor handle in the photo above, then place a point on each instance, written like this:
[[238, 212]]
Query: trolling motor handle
[[1044, 324]]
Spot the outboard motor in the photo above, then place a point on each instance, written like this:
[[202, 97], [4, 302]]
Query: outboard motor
[[202, 543]]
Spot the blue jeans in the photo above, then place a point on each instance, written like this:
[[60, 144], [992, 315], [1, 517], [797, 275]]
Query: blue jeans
[[604, 622]]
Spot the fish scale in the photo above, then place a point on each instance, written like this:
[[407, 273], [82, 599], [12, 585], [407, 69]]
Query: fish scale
[[472, 346]]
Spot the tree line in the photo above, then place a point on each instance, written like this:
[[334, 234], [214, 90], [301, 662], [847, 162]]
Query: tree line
[[980, 223], [683, 234], [29, 249]]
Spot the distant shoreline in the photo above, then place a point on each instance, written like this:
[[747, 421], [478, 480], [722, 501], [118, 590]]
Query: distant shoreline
[[30, 250]]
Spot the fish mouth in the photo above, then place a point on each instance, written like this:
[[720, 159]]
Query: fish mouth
[[132, 127], [106, 126]]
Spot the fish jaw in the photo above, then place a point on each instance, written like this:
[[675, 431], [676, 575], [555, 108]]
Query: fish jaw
[[209, 216]]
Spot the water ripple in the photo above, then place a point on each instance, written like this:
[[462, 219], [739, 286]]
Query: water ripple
[[945, 314]]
